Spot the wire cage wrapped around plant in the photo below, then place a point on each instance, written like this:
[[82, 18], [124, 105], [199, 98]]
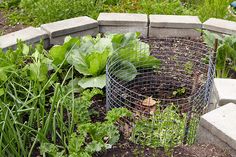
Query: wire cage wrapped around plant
[[166, 98]]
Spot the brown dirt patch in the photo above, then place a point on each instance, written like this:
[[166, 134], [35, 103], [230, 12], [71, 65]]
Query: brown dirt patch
[[5, 28]]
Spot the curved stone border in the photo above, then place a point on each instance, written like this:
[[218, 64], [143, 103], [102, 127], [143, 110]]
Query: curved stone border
[[74, 27], [149, 26], [159, 26]]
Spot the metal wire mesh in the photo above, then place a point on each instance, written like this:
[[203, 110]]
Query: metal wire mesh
[[183, 81]]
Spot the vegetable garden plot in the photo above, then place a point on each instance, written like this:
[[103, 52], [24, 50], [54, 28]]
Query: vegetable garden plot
[[166, 100]]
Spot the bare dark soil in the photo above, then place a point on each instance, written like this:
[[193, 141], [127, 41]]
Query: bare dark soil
[[197, 150], [5, 28]]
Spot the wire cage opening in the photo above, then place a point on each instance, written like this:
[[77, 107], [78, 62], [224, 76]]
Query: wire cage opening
[[166, 100]]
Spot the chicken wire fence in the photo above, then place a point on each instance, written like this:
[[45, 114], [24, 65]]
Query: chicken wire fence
[[166, 101]]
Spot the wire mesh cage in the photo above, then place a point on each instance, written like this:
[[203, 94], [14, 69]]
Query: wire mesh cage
[[166, 100]]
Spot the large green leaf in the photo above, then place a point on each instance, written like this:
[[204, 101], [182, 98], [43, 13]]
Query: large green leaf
[[89, 64], [97, 62], [126, 72], [38, 71], [99, 82], [210, 38], [78, 60], [58, 52]]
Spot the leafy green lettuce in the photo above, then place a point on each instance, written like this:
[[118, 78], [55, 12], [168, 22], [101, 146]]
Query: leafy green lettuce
[[89, 56]]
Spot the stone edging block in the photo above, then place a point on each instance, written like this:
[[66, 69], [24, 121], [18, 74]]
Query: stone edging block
[[123, 23], [220, 26], [226, 90], [122, 19], [69, 26], [175, 21], [163, 26], [29, 35], [221, 124], [59, 40], [78, 26]]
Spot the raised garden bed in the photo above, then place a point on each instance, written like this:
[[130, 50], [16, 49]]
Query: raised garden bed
[[41, 92]]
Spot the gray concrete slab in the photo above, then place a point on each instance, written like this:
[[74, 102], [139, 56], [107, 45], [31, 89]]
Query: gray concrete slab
[[221, 123], [124, 29], [206, 137], [69, 26], [60, 40], [226, 89], [29, 35], [123, 19], [173, 32], [175, 21], [221, 26]]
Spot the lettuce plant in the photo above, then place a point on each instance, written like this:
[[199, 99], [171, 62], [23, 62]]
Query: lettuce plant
[[89, 56]]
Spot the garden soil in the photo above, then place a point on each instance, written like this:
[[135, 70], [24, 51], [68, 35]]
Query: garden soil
[[5, 28]]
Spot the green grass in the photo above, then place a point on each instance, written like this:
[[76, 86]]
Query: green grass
[[30, 12]]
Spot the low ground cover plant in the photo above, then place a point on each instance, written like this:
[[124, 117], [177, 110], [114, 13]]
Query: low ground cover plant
[[165, 128]]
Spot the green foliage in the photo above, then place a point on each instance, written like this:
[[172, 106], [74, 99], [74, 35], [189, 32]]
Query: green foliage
[[188, 67], [213, 8], [89, 56], [30, 12], [97, 81], [58, 52], [42, 105], [130, 55], [24, 80], [114, 115], [7, 4], [164, 129], [44, 11], [179, 91], [226, 53], [91, 137]]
